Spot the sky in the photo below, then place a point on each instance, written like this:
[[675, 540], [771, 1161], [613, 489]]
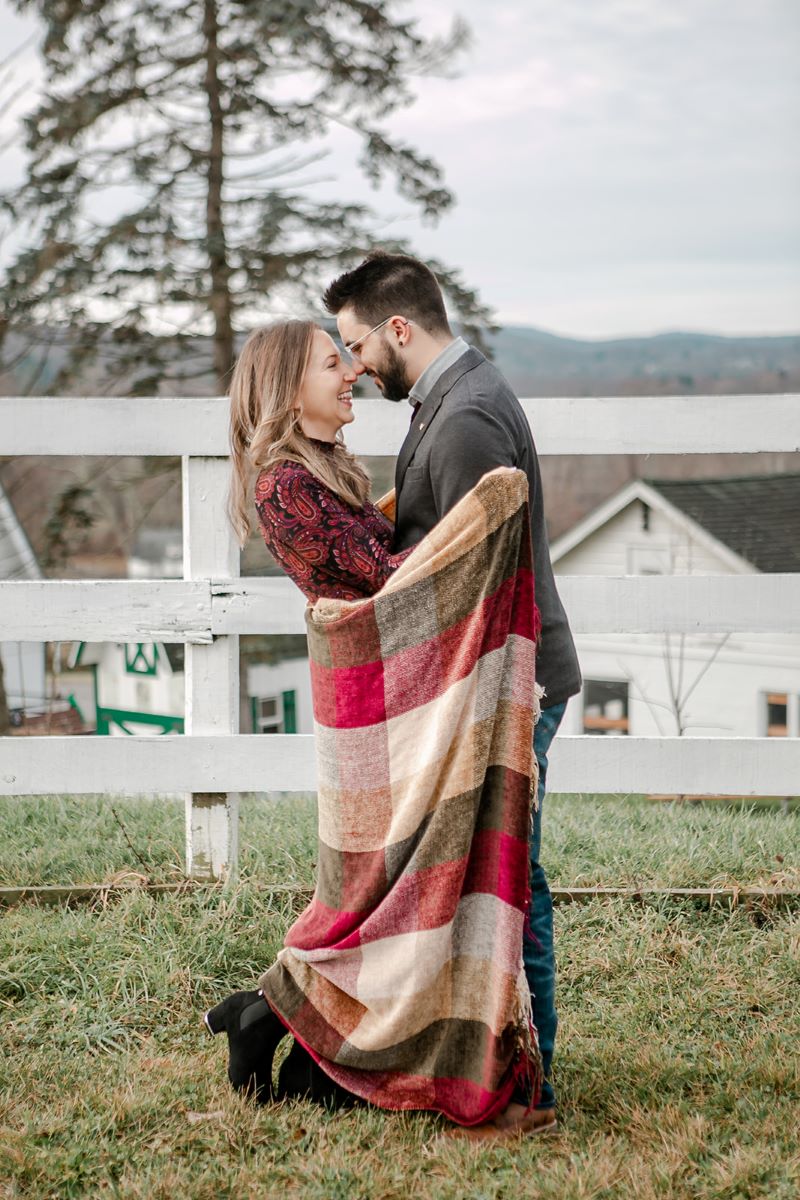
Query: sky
[[621, 166]]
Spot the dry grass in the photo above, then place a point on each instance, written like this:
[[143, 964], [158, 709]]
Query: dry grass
[[677, 1057], [590, 840]]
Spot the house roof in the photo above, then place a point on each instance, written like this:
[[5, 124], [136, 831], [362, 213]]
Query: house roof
[[17, 559], [756, 516]]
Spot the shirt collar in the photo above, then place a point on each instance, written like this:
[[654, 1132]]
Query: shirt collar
[[435, 370]]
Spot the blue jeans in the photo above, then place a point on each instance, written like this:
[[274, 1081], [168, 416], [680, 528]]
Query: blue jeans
[[537, 950]]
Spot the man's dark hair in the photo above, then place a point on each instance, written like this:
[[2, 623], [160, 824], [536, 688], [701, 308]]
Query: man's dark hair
[[385, 284]]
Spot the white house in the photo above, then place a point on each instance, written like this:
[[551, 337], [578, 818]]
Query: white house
[[137, 687], [23, 662], [280, 696], [737, 685]]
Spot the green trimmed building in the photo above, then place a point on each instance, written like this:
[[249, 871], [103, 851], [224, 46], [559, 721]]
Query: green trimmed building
[[138, 688]]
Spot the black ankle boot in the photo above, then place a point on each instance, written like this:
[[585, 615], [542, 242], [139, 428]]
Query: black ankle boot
[[300, 1078], [254, 1032]]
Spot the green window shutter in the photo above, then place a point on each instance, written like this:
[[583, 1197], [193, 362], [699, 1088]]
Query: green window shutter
[[141, 658], [290, 712], [96, 700]]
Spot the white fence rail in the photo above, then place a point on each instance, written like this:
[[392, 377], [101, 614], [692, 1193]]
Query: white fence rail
[[211, 606], [285, 763], [196, 611], [571, 425]]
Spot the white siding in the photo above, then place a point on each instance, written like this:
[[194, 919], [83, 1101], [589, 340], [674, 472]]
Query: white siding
[[160, 694], [728, 701], [624, 547], [293, 674]]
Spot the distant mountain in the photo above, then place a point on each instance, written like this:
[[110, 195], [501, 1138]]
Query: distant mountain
[[534, 362], [544, 364]]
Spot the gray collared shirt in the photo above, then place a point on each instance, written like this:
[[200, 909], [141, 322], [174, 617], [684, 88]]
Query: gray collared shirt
[[434, 370]]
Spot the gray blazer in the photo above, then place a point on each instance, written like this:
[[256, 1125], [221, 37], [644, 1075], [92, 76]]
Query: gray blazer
[[469, 424]]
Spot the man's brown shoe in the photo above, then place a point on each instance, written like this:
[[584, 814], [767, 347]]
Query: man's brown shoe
[[516, 1121]]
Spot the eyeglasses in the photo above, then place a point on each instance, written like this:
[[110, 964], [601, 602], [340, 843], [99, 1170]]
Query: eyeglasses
[[354, 348]]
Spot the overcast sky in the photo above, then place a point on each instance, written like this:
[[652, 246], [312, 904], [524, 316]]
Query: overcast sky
[[621, 166]]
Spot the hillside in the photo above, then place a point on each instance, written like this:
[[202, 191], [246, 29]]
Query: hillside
[[535, 363], [543, 364]]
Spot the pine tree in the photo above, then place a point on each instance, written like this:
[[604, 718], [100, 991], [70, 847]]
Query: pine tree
[[168, 173]]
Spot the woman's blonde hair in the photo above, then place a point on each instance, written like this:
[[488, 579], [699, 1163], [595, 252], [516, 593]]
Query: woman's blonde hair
[[265, 428]]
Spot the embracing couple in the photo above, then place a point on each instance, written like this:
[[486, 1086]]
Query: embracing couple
[[421, 975]]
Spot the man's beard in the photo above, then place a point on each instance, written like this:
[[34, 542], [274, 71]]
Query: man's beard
[[392, 372]]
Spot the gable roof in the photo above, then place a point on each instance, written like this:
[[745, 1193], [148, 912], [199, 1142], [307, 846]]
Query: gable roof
[[756, 516], [751, 522], [17, 559]]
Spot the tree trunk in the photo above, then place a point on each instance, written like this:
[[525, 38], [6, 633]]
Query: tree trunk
[[220, 299], [5, 719]]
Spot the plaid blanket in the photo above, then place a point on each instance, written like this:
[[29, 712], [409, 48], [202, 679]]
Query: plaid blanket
[[403, 977]]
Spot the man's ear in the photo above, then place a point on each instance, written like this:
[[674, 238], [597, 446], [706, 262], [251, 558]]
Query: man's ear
[[400, 328]]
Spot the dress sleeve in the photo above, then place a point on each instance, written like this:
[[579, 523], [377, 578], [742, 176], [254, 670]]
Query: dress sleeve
[[327, 547]]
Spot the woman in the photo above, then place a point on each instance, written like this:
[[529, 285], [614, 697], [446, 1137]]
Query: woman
[[291, 395], [401, 977]]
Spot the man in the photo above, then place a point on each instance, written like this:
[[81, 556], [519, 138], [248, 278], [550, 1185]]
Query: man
[[466, 421]]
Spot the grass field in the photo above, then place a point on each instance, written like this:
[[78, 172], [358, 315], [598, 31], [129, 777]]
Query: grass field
[[677, 1065]]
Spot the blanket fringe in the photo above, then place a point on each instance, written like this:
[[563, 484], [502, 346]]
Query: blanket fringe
[[527, 1069], [528, 1076], [538, 693]]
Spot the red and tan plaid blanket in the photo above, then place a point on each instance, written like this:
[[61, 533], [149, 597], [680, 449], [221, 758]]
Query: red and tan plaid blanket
[[403, 977]]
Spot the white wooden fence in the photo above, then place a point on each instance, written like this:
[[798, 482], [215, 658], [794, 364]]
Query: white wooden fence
[[211, 606]]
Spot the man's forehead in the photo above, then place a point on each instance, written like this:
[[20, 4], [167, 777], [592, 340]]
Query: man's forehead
[[347, 320]]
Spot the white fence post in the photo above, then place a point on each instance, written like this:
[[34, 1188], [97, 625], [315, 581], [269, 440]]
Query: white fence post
[[212, 671]]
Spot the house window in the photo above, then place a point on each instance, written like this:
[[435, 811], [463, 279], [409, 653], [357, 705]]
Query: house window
[[649, 560], [605, 706], [268, 715], [777, 704], [275, 714]]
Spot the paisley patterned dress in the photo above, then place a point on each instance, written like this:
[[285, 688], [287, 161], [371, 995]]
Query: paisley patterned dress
[[327, 547]]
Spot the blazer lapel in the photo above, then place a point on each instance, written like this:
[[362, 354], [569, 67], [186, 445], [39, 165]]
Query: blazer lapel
[[425, 415]]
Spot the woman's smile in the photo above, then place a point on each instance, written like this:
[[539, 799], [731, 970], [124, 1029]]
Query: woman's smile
[[323, 411]]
